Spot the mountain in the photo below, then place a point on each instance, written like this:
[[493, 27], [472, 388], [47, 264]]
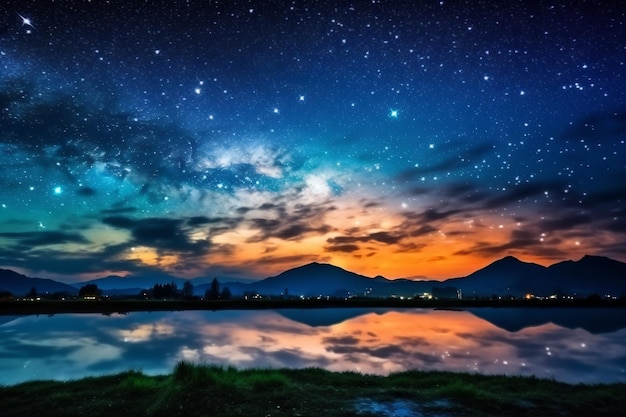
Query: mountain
[[510, 276], [114, 282], [21, 285], [591, 274], [507, 276], [316, 279]]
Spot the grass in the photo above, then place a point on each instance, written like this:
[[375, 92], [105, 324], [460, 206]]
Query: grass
[[196, 390]]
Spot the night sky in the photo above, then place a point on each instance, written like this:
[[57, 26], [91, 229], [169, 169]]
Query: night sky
[[239, 139]]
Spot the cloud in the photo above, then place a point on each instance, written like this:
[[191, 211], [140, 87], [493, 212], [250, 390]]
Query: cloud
[[387, 238], [565, 221], [521, 192], [263, 159], [459, 161], [161, 233], [520, 241], [87, 191], [44, 238], [290, 222], [342, 248]]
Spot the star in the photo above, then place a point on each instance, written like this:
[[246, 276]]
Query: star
[[393, 114], [58, 190], [26, 21]]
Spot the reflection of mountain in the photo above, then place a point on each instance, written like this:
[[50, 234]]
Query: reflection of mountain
[[327, 316], [593, 320], [8, 319]]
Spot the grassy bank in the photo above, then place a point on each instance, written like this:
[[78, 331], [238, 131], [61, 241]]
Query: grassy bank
[[211, 391]]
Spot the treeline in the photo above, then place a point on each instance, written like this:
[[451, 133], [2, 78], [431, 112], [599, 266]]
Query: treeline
[[157, 292], [171, 290]]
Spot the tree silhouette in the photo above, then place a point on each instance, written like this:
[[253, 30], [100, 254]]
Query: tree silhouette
[[187, 289], [32, 293], [225, 294], [90, 290], [213, 293], [165, 291]]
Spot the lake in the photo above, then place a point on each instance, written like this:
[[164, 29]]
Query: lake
[[565, 344]]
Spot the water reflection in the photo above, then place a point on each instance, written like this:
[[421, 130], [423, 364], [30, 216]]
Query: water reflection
[[365, 340]]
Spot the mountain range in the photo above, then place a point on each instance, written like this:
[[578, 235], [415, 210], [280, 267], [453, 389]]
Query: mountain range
[[507, 276]]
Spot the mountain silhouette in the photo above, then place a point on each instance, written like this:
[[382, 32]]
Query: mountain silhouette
[[510, 276], [591, 274], [20, 285], [507, 276], [324, 279]]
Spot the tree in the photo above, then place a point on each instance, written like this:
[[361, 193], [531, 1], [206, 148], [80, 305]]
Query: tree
[[213, 293], [90, 290], [32, 293], [225, 294], [187, 289]]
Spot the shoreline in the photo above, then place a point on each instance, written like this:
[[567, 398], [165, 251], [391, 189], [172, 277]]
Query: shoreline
[[110, 306]]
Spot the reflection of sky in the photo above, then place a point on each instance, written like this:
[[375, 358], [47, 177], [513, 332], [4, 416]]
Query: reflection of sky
[[73, 346]]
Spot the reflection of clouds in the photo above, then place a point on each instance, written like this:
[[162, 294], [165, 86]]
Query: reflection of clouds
[[146, 332], [72, 346]]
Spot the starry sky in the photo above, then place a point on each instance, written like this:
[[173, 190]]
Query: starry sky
[[243, 138]]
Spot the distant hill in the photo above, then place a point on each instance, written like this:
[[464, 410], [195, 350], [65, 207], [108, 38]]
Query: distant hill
[[114, 282], [591, 274], [20, 285], [115, 285], [507, 276], [317, 279]]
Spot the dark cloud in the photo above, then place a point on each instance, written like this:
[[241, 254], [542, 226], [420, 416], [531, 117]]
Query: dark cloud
[[53, 260], [520, 241], [292, 224], [564, 222], [341, 340], [342, 248], [87, 191], [380, 237], [519, 193], [432, 215], [44, 238], [459, 161], [161, 233], [384, 352], [287, 260], [202, 220]]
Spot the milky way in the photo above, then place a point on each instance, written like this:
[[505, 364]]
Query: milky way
[[238, 139]]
